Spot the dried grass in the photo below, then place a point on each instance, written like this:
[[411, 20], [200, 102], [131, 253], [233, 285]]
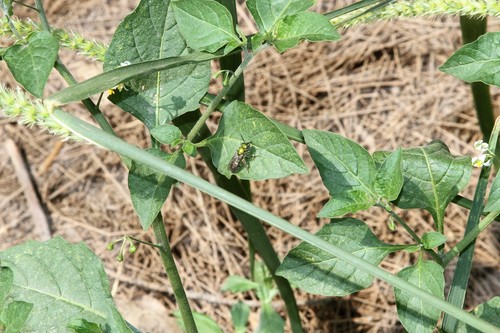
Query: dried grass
[[379, 86]]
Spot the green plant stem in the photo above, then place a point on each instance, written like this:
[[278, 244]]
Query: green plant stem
[[42, 15], [466, 246], [413, 235], [91, 107], [24, 5], [472, 28], [215, 102], [253, 226], [470, 237], [144, 242], [173, 274], [113, 143]]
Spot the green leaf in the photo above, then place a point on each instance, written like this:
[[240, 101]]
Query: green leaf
[[6, 6], [267, 12], [272, 155], [415, 314], [310, 26], [347, 170], [318, 272], [64, 282], [489, 311], [15, 316], [389, 178], [238, 284], [6, 281], [150, 33], [270, 321], [31, 64], [203, 322], [167, 134], [433, 239], [84, 326], [206, 25], [239, 315], [493, 203], [189, 148], [149, 189], [432, 178], [477, 61]]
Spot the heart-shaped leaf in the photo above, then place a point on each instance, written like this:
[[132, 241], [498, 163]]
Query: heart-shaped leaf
[[347, 170], [318, 272], [477, 61], [267, 12], [270, 154], [415, 314], [310, 26], [432, 178], [206, 25], [63, 282], [31, 63], [150, 33], [149, 189]]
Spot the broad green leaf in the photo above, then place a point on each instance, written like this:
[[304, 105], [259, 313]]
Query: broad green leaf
[[413, 312], [318, 272], [433, 239], [272, 155], [16, 316], [84, 326], [348, 202], [239, 315], [477, 61], [167, 134], [64, 282], [432, 178], [31, 64], [347, 170], [149, 189], [206, 25], [270, 321], [389, 178], [150, 33], [493, 203], [203, 322], [237, 284], [267, 12], [489, 311], [6, 281], [310, 26]]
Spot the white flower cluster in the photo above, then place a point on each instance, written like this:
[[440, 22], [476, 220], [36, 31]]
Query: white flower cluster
[[485, 157]]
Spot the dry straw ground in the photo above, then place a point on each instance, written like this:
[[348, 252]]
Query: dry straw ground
[[379, 86]]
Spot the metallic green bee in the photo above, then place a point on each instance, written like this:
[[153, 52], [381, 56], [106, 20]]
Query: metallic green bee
[[241, 157]]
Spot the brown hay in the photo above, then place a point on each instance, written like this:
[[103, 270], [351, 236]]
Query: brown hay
[[379, 86]]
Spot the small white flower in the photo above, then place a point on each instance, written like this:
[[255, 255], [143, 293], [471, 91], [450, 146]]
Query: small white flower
[[481, 160], [125, 63], [481, 146]]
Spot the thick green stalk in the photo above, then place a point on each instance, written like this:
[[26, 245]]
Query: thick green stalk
[[97, 136], [472, 28], [466, 246], [253, 227], [173, 275]]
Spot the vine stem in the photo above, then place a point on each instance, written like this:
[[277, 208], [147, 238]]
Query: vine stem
[[173, 274], [469, 237], [248, 56], [413, 235]]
